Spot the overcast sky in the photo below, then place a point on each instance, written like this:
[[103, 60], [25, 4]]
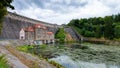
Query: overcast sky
[[62, 11]]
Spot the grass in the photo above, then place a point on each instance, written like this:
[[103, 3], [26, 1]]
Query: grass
[[24, 48], [3, 62]]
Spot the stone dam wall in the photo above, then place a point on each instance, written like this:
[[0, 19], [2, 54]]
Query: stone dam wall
[[13, 23]]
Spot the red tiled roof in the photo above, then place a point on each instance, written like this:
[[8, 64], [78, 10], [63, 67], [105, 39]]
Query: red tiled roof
[[50, 33], [38, 25], [29, 29], [44, 27]]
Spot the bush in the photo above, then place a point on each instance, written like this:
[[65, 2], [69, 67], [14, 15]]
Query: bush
[[3, 62], [25, 48], [60, 34], [117, 31]]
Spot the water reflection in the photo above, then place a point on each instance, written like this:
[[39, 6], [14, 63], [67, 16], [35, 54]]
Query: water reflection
[[69, 63]]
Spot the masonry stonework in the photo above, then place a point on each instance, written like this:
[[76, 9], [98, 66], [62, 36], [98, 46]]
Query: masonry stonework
[[13, 23]]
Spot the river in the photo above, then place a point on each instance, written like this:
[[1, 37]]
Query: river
[[95, 56], [67, 62]]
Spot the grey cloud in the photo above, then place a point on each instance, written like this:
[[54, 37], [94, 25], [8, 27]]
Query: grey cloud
[[79, 3], [111, 3], [25, 4], [21, 4], [63, 6], [56, 6], [65, 10]]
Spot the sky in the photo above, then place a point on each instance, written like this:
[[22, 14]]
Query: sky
[[62, 11]]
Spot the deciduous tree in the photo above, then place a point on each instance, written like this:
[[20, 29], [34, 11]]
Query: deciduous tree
[[3, 9]]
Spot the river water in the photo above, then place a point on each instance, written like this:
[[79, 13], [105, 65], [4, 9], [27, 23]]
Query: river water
[[67, 62]]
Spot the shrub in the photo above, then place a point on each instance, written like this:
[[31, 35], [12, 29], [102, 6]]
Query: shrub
[[60, 34], [3, 62], [25, 48]]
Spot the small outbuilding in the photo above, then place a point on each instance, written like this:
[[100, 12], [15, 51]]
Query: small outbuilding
[[22, 34]]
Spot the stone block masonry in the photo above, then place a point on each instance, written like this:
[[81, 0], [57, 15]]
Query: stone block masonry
[[13, 23]]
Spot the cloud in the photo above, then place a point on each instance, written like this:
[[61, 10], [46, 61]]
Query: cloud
[[62, 11]]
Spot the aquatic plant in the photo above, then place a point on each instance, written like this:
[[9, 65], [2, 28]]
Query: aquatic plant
[[56, 64]]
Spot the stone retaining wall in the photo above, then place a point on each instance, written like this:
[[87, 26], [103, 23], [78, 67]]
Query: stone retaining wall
[[15, 42]]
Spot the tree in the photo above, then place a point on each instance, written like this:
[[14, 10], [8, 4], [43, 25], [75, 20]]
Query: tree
[[108, 27], [98, 32], [74, 22], [117, 31], [6, 3], [3, 9], [60, 35]]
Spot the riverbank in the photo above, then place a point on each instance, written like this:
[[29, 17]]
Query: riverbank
[[18, 59], [102, 41], [86, 52]]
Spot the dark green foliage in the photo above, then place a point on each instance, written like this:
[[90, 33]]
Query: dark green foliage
[[6, 3], [117, 31], [107, 27], [98, 32], [2, 14], [60, 34], [3, 62], [3, 9], [89, 34]]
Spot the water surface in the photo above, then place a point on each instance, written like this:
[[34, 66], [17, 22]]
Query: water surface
[[67, 62]]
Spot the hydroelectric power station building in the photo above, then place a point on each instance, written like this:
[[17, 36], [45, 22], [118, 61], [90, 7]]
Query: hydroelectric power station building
[[17, 27]]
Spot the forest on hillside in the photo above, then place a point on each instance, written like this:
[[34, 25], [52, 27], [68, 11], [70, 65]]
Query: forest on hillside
[[107, 27]]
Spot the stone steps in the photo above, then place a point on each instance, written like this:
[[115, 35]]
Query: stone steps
[[72, 33]]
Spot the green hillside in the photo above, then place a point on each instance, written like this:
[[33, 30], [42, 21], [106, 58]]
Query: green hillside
[[107, 27]]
